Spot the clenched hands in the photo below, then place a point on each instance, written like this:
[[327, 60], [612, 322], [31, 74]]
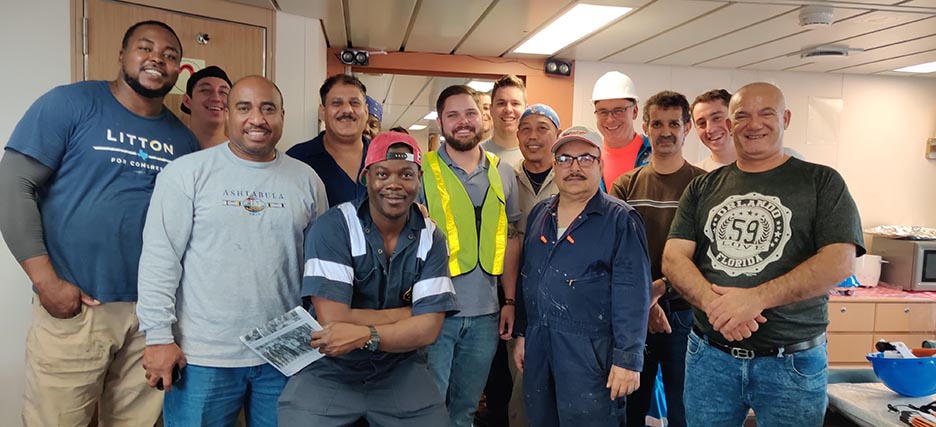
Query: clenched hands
[[736, 312]]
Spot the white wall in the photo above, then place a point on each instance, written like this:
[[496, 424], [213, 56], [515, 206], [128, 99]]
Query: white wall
[[37, 52], [884, 125], [36, 35], [300, 70]]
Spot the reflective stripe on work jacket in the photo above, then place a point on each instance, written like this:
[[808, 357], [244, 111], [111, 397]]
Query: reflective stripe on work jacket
[[451, 208]]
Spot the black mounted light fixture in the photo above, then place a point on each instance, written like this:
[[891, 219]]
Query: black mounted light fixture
[[558, 67], [354, 57]]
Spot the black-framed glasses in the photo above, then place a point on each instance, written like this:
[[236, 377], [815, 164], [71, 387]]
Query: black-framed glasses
[[584, 160], [616, 112]]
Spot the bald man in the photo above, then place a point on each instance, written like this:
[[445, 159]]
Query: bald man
[[755, 248], [222, 254]]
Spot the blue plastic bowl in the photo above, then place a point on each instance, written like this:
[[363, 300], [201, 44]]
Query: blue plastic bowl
[[909, 377]]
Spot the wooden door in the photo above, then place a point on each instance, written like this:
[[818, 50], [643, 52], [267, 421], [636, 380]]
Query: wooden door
[[239, 49]]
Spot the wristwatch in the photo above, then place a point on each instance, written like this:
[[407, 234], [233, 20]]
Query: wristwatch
[[374, 341]]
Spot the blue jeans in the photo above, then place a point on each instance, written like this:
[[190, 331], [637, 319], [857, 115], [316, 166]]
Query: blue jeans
[[214, 396], [784, 390], [668, 352], [460, 360]]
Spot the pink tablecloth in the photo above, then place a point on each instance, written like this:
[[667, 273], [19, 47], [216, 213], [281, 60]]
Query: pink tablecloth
[[884, 290]]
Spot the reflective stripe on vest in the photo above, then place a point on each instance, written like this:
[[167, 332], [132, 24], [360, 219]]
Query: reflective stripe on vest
[[451, 207]]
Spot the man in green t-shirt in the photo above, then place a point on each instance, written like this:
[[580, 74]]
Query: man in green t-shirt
[[755, 248]]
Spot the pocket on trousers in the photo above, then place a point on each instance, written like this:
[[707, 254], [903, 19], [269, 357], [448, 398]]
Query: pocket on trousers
[[65, 345], [694, 346], [808, 369], [61, 327]]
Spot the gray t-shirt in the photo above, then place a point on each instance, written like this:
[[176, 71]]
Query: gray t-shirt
[[222, 251], [511, 156], [750, 228], [476, 291]]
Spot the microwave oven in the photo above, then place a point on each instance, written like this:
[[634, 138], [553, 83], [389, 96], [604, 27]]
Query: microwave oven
[[911, 264]]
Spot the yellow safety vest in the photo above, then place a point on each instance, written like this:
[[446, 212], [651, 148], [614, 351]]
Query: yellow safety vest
[[451, 208]]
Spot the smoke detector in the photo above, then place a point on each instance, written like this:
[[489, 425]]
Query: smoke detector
[[813, 16], [825, 53]]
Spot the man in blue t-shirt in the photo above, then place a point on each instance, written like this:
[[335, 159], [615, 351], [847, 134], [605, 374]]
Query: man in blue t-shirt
[[377, 273], [77, 176], [337, 153]]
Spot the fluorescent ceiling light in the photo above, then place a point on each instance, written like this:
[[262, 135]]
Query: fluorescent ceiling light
[[431, 116], [928, 67], [481, 85], [578, 22], [417, 127]]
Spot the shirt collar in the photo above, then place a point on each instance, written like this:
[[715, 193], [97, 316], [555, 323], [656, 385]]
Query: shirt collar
[[443, 154], [414, 223]]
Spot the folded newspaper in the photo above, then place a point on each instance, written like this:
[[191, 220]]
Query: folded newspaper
[[284, 341]]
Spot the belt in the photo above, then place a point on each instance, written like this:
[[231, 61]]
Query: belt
[[747, 353]]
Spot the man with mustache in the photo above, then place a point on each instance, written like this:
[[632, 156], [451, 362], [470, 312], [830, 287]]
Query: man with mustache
[[755, 247], [654, 191], [615, 98], [378, 310], [205, 99], [223, 254], [337, 153], [76, 177], [583, 296], [472, 196]]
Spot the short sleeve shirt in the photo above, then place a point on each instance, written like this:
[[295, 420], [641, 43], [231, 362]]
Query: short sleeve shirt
[[105, 159], [750, 228], [477, 290], [339, 186], [346, 263]]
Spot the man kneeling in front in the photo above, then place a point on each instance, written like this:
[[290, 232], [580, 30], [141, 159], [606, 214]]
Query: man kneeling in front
[[377, 273]]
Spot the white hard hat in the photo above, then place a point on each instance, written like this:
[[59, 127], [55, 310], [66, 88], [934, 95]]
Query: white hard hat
[[614, 85]]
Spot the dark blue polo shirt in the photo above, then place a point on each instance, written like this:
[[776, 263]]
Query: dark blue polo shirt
[[346, 263], [339, 186]]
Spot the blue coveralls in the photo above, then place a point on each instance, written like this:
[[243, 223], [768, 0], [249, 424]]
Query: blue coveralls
[[582, 305]]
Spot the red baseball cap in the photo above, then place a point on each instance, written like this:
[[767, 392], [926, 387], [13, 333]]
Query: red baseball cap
[[379, 148]]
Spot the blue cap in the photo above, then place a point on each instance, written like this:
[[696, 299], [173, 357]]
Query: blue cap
[[374, 108], [543, 110]]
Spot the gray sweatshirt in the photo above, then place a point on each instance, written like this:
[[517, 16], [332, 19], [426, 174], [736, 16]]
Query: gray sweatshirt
[[222, 251]]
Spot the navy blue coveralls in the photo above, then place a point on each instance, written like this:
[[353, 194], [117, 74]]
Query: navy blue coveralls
[[582, 305]]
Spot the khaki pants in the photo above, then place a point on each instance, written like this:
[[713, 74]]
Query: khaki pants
[[91, 361]]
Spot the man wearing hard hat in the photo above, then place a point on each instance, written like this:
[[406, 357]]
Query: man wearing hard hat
[[615, 98]]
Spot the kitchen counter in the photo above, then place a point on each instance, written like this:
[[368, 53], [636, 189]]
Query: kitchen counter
[[858, 321]]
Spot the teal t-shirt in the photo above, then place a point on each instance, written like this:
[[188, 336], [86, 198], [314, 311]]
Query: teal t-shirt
[[750, 228], [105, 159]]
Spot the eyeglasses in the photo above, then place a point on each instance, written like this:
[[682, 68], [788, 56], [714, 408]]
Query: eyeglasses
[[584, 160], [617, 112]]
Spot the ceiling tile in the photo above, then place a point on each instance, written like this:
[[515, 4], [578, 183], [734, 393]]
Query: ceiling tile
[[718, 22], [636, 26], [879, 45], [843, 28], [441, 24], [508, 23], [380, 24], [893, 64]]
